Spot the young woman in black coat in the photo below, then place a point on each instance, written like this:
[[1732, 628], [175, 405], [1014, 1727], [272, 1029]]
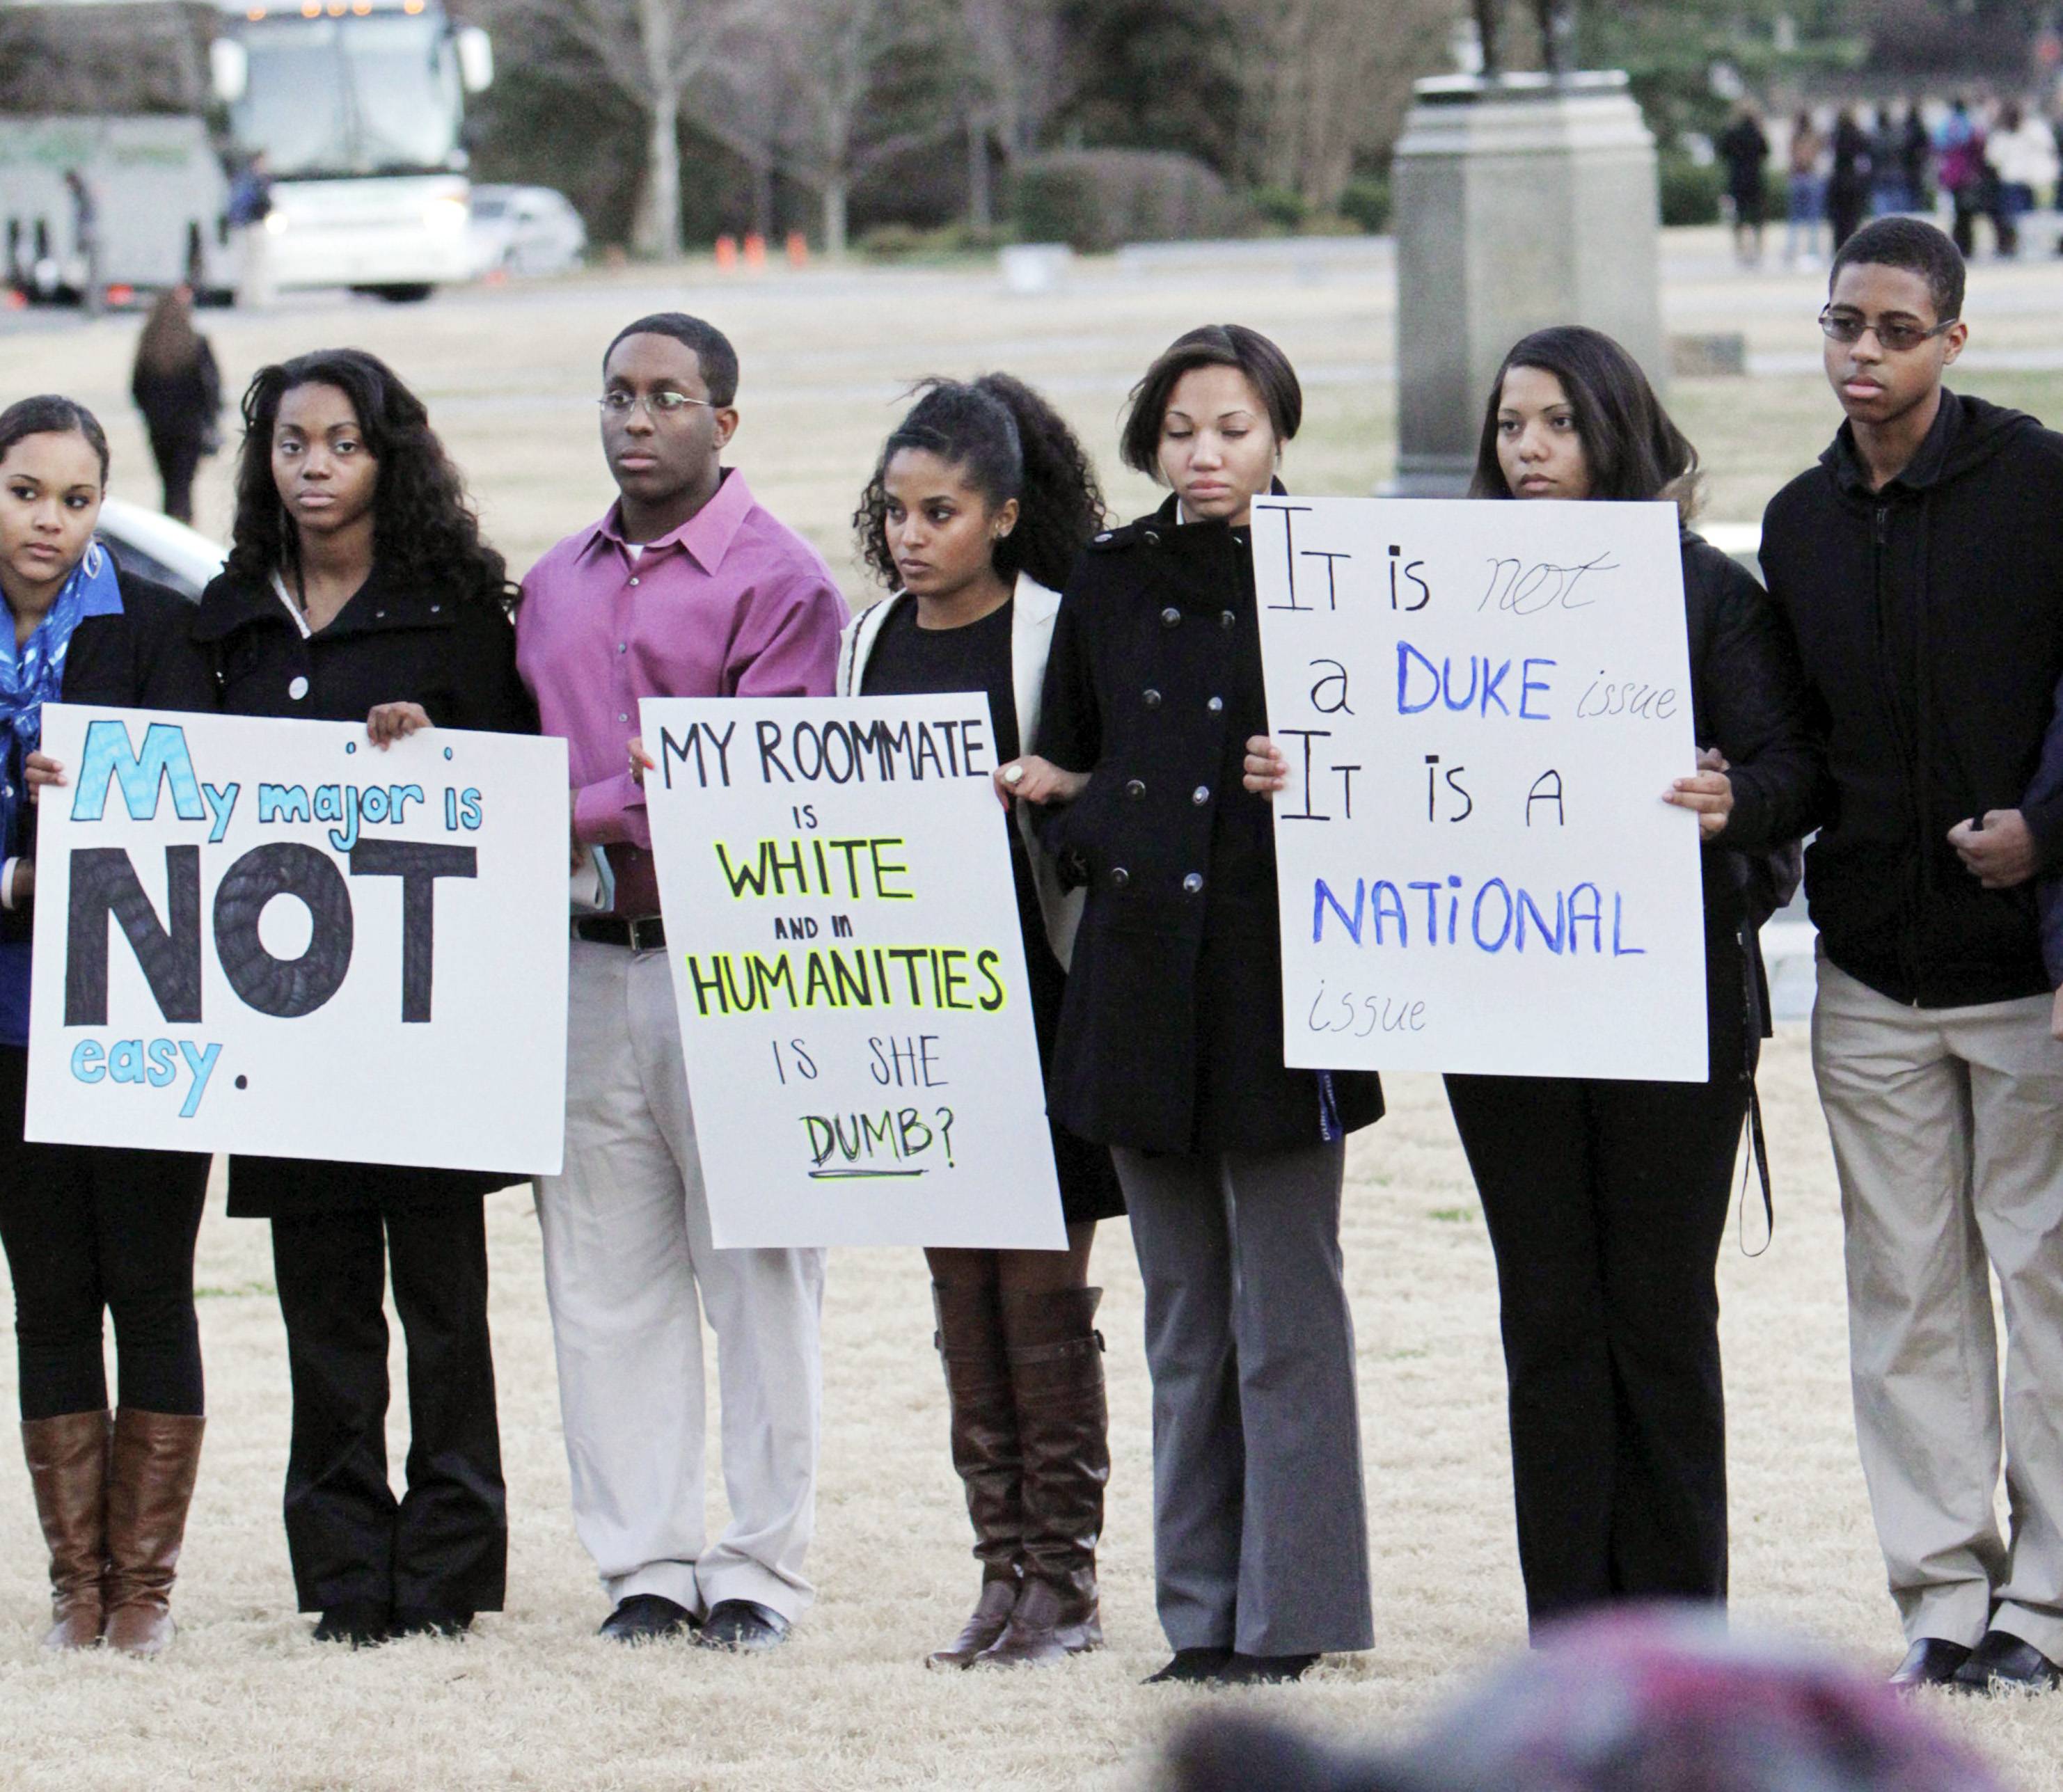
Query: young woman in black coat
[[1606, 1201], [979, 505], [358, 588], [89, 1230], [1170, 1048], [177, 387]]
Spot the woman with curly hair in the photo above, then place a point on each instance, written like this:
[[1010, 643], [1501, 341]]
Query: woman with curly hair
[[358, 586], [978, 508]]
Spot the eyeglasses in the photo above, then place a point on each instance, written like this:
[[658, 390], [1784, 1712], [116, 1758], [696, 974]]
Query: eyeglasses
[[1894, 334], [620, 403]]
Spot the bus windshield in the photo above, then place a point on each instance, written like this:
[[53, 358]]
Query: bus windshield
[[364, 96]]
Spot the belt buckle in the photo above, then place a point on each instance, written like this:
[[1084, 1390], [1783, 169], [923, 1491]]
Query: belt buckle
[[647, 934]]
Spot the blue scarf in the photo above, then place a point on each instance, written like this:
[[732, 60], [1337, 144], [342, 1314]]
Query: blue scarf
[[33, 674]]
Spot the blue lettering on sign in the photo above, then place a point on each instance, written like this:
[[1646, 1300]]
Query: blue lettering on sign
[[1499, 912], [154, 1063], [1421, 684], [109, 757]]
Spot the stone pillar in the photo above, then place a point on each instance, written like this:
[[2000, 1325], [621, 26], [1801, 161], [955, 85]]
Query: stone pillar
[[1520, 202]]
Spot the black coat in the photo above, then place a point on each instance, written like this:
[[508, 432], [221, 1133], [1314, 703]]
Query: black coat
[[181, 406], [1748, 699], [389, 644], [1929, 620], [1171, 1036]]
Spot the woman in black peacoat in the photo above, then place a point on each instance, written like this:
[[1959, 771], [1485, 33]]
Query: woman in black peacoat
[[358, 588], [1170, 1048]]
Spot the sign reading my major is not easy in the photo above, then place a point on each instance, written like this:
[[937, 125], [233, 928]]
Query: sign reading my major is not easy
[[842, 924], [1482, 704], [270, 937]]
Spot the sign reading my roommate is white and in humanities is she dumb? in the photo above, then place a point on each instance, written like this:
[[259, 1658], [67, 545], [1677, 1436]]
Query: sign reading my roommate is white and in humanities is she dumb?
[[1482, 704], [272, 937], [840, 916]]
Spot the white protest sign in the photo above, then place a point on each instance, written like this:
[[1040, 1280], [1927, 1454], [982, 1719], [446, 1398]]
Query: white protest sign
[[1482, 704], [272, 938], [842, 922]]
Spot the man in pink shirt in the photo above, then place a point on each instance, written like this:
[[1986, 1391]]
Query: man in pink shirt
[[687, 588]]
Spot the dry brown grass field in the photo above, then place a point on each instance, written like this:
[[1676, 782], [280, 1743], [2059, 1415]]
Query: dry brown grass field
[[532, 1699]]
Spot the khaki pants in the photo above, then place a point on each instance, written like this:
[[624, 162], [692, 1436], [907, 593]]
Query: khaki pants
[[630, 1272], [1947, 1133]]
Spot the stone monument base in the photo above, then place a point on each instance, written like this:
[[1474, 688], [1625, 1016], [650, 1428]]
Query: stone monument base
[[1520, 202]]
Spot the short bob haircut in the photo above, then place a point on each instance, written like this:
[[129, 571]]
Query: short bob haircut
[[715, 357], [1213, 345], [1914, 245], [1632, 450]]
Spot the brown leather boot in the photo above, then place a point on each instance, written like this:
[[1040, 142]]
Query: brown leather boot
[[1056, 1370], [985, 1455], [150, 1485], [67, 1458]]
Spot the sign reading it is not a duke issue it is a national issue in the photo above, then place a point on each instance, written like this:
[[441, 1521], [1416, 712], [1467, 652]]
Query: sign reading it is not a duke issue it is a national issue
[[842, 924], [1482, 704], [272, 937]]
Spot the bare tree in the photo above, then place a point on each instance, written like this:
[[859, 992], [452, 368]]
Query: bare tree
[[1018, 76], [657, 52]]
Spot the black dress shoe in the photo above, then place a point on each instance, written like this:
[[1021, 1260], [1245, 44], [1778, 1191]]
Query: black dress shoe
[[743, 1624], [1266, 1670], [645, 1617], [2002, 1660], [1192, 1667], [1930, 1661], [429, 1620], [356, 1626]]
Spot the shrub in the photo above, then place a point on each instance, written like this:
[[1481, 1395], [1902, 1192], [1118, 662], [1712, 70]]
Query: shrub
[[1280, 206], [1095, 200], [1366, 201], [1690, 193]]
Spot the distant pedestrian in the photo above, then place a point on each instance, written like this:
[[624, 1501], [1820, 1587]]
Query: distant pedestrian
[[1916, 160], [86, 239], [2023, 158], [1745, 150], [250, 207], [1848, 179], [178, 388], [1959, 142], [1806, 191]]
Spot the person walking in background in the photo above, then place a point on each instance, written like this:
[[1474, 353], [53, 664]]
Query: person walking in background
[[1806, 191], [1920, 570], [177, 387], [1849, 177], [979, 505], [86, 240], [2023, 158], [1170, 1048], [1606, 1201], [250, 205], [1887, 190], [1745, 150], [358, 589], [1959, 142], [89, 1230], [686, 586]]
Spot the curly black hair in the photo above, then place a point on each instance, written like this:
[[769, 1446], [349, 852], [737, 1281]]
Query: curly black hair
[[1009, 443], [425, 530]]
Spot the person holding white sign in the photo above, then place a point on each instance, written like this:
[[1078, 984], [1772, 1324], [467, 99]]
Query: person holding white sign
[[358, 585], [686, 586], [1171, 1037], [978, 508], [88, 1229], [1607, 1200]]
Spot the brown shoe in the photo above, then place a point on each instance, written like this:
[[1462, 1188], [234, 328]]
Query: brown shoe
[[150, 1485], [67, 1458], [985, 1455], [1056, 1370]]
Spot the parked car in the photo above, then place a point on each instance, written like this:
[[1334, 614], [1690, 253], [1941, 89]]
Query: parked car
[[525, 230], [153, 546]]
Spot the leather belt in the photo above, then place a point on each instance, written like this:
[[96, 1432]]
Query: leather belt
[[645, 934]]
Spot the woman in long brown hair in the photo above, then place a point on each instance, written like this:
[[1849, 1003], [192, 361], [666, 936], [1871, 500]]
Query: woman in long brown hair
[[179, 389]]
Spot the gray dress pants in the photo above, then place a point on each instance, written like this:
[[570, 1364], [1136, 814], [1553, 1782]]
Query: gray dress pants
[[1260, 1520]]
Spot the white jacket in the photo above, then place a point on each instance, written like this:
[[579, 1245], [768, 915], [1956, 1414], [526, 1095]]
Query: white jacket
[[2025, 157], [1030, 639]]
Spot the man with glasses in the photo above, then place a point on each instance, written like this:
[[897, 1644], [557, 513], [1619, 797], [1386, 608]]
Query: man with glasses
[[1920, 564], [686, 587]]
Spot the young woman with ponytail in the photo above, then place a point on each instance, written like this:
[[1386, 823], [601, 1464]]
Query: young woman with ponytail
[[978, 508]]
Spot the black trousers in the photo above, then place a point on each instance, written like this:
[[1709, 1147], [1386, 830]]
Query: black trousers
[[442, 1548], [179, 459], [89, 1230], [1607, 1203]]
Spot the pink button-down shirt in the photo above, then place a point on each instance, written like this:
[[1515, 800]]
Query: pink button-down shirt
[[731, 604]]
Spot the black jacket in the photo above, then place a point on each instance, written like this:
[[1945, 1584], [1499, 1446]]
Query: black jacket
[[182, 405], [141, 659], [1748, 699], [1171, 1036], [390, 644], [1929, 619]]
